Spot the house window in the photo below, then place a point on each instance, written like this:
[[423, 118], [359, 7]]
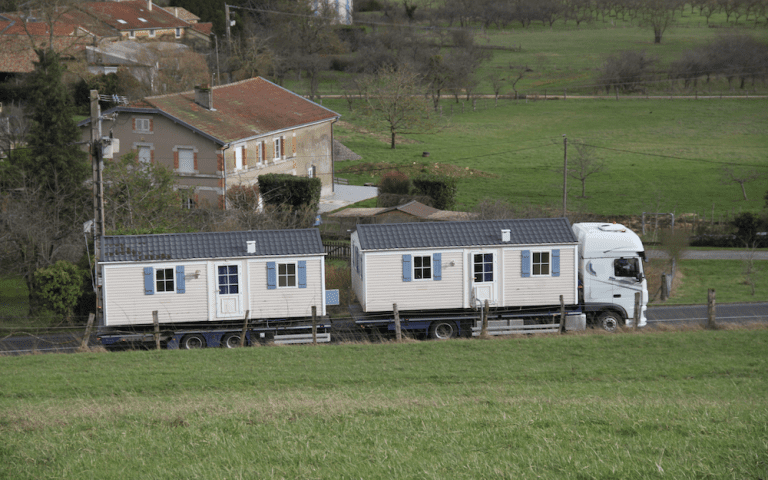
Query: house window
[[238, 158], [228, 280], [483, 267], [422, 267], [145, 154], [143, 125], [131, 34], [187, 199], [540, 263], [164, 279], [178, 32], [278, 148], [312, 171], [186, 160], [260, 152], [152, 32], [286, 274]]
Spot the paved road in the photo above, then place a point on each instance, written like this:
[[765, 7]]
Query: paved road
[[729, 312], [760, 254]]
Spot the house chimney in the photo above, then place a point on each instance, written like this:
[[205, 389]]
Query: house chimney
[[251, 246], [204, 96], [149, 5], [505, 237]]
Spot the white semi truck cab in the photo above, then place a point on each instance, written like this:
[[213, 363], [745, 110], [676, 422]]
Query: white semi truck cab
[[611, 273]]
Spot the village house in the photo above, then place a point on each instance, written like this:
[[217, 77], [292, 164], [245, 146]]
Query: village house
[[219, 137]]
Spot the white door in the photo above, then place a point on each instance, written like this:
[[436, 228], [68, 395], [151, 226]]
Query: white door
[[229, 294], [483, 279]]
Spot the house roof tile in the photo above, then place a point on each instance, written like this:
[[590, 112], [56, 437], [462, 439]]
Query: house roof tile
[[245, 109], [133, 15], [209, 245], [476, 233]]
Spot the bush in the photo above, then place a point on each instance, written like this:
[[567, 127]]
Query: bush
[[396, 183], [626, 71], [442, 190], [57, 289], [296, 193], [243, 197]]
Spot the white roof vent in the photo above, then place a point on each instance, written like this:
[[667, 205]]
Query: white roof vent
[[505, 236], [251, 246]]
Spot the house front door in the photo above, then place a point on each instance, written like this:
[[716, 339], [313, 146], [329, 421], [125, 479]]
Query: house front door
[[484, 278], [229, 296]]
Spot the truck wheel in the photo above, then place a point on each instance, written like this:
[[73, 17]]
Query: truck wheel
[[609, 321], [231, 340], [442, 330], [192, 341]]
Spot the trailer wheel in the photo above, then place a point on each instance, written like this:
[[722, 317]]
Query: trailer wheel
[[231, 340], [609, 321], [442, 330], [192, 341]]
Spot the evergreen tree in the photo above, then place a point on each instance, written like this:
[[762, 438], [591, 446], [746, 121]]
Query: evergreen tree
[[57, 163]]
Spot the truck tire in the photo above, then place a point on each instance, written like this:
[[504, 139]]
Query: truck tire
[[442, 330], [230, 340], [609, 321], [192, 341]]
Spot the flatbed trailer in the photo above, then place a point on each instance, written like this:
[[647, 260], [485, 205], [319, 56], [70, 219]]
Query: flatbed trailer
[[442, 325]]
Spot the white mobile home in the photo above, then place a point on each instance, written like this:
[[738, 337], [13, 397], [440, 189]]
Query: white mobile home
[[460, 265], [212, 277]]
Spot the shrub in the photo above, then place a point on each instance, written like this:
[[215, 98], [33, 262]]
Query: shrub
[[626, 71], [296, 193], [395, 183], [442, 190], [57, 289]]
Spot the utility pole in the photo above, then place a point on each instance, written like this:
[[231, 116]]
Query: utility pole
[[98, 196], [228, 25], [565, 173]]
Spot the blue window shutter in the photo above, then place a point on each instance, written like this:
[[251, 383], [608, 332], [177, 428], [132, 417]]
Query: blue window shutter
[[437, 267], [302, 274], [180, 284], [357, 261], [271, 276], [555, 263], [149, 281], [406, 268], [526, 260]]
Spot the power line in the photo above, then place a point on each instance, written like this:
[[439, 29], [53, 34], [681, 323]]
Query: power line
[[702, 160]]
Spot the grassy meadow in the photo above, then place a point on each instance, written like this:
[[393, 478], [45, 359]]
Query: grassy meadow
[[689, 404], [659, 155]]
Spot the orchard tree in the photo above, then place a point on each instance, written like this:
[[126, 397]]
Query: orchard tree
[[584, 164], [742, 176], [659, 15], [394, 100]]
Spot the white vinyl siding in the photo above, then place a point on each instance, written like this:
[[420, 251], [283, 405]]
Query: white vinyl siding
[[539, 289], [126, 304], [281, 302], [387, 271]]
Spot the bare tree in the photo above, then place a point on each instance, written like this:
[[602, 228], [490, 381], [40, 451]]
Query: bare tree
[[584, 164], [741, 176], [14, 128], [659, 15], [394, 100], [497, 79]]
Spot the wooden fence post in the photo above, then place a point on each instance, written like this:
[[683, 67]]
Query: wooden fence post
[[484, 328], [243, 341], [314, 325], [562, 315], [157, 329], [711, 309], [637, 311], [664, 292], [398, 331], [88, 326]]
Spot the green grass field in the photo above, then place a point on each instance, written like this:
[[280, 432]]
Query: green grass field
[[648, 405], [660, 155]]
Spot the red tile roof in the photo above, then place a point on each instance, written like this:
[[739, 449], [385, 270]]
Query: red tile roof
[[132, 15], [243, 109]]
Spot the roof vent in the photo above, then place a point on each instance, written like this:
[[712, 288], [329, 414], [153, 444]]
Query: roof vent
[[251, 246], [505, 236], [204, 96]]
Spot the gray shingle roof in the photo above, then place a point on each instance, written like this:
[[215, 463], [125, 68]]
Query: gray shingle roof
[[183, 246], [461, 234]]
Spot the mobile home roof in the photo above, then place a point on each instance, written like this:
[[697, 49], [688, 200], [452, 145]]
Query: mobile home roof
[[539, 231]]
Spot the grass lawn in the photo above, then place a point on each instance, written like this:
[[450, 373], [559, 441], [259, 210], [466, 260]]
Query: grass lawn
[[659, 155], [677, 404]]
